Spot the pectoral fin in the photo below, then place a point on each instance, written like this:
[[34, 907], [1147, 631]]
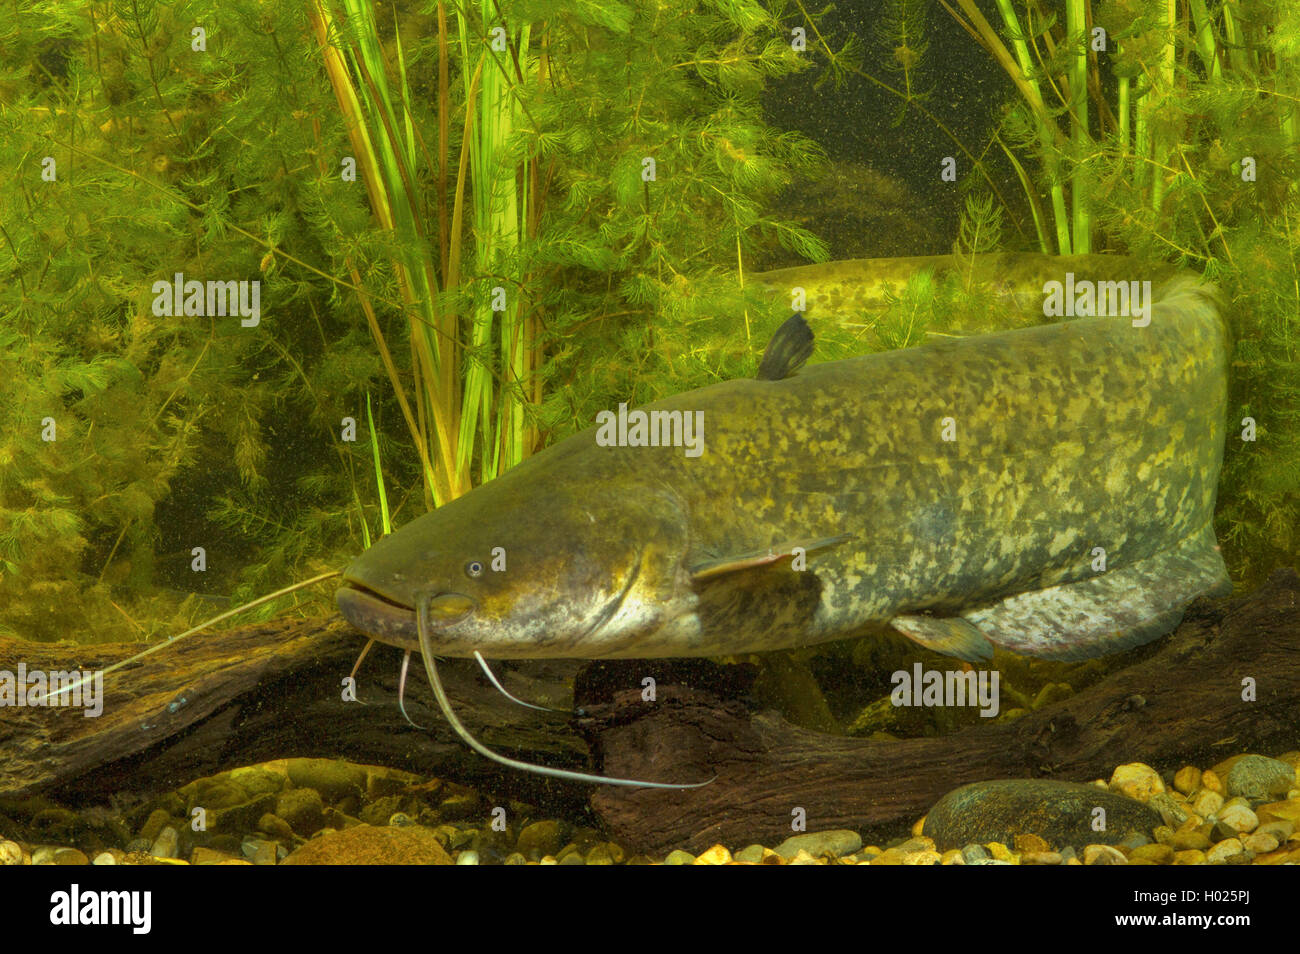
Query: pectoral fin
[[766, 557], [950, 635]]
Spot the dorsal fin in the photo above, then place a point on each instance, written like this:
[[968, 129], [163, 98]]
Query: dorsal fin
[[787, 351]]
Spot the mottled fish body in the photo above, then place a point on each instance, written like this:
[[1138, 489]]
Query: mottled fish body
[[1048, 490]]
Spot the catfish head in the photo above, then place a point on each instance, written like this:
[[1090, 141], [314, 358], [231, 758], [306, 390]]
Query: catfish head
[[525, 568]]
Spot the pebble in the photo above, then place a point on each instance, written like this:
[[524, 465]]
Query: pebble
[[567, 850], [1134, 840], [303, 810], [379, 811], [836, 843], [52, 855], [332, 779], [1136, 780], [1170, 810], [460, 807], [1258, 777], [1238, 818], [382, 781], [1261, 842], [467, 858], [1224, 850], [974, 853], [751, 855], [1103, 855], [1189, 857], [371, 845], [1057, 812], [515, 858], [1189, 841], [952, 856], [212, 793], [492, 844], [1040, 858], [919, 844], [259, 851], [573, 858], [1000, 852], [202, 855], [240, 818], [803, 857], [1210, 781], [608, 853], [679, 857], [926, 856], [1151, 855], [167, 844], [1187, 779], [541, 838], [153, 826], [1280, 811], [258, 779], [1281, 830], [717, 855], [1207, 803], [1030, 844], [276, 827], [104, 858], [11, 853]]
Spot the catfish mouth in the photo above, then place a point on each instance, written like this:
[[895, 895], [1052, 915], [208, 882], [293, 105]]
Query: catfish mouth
[[376, 615], [391, 621]]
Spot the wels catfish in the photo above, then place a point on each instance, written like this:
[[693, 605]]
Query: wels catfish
[[1047, 490]]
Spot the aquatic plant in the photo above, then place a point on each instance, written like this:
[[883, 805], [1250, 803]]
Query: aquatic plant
[[901, 31], [979, 231], [532, 129], [222, 155]]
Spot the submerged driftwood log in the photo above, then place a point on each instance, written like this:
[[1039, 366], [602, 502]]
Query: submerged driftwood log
[[217, 701], [1184, 704]]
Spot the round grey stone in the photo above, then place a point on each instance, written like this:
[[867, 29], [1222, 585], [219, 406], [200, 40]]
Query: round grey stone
[[1061, 813], [1258, 777]]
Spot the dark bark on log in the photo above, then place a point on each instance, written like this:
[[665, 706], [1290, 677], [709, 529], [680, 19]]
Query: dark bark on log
[[1182, 705], [216, 701]]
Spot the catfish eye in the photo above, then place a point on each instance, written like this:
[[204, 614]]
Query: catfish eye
[[473, 568]]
